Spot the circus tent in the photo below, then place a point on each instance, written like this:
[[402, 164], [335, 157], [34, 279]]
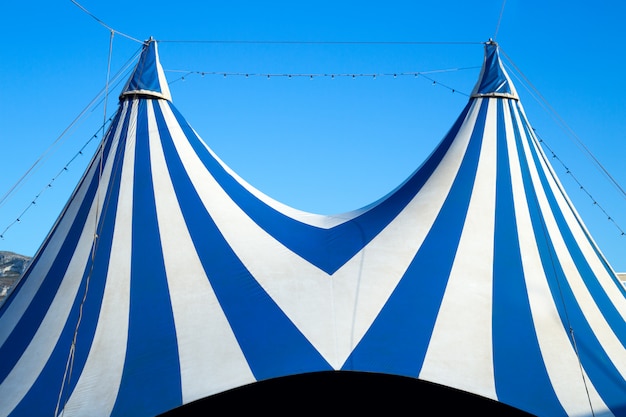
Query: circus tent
[[168, 278]]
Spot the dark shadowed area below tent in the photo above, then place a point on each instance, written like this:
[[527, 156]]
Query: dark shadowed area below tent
[[353, 393]]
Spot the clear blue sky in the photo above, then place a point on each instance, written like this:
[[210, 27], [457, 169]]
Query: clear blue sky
[[324, 145]]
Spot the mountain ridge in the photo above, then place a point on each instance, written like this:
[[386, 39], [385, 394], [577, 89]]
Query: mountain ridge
[[12, 266]]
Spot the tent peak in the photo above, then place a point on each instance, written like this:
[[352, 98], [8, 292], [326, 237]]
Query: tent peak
[[148, 78], [494, 81]]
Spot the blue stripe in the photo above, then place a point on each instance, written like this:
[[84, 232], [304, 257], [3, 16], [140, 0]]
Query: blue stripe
[[493, 79], [271, 343], [397, 341], [27, 326], [145, 77], [43, 395], [598, 366], [328, 249], [520, 375], [150, 382]]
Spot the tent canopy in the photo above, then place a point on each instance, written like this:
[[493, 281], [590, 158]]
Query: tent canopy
[[167, 278]]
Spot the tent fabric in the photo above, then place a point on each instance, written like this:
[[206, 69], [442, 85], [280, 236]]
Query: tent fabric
[[167, 278], [494, 80], [148, 77]]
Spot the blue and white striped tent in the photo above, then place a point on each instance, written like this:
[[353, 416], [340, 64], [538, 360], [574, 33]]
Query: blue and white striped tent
[[168, 279]]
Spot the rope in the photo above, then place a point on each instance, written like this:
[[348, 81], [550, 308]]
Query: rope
[[571, 329], [106, 85], [243, 42], [546, 237], [582, 371], [69, 367], [104, 24], [499, 20]]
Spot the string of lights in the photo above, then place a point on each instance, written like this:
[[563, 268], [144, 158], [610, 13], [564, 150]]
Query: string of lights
[[580, 185], [51, 182], [279, 42], [418, 74]]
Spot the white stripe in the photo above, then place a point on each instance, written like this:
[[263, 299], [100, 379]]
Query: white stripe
[[560, 359], [35, 356], [508, 79], [460, 353], [211, 360], [96, 389], [349, 301]]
